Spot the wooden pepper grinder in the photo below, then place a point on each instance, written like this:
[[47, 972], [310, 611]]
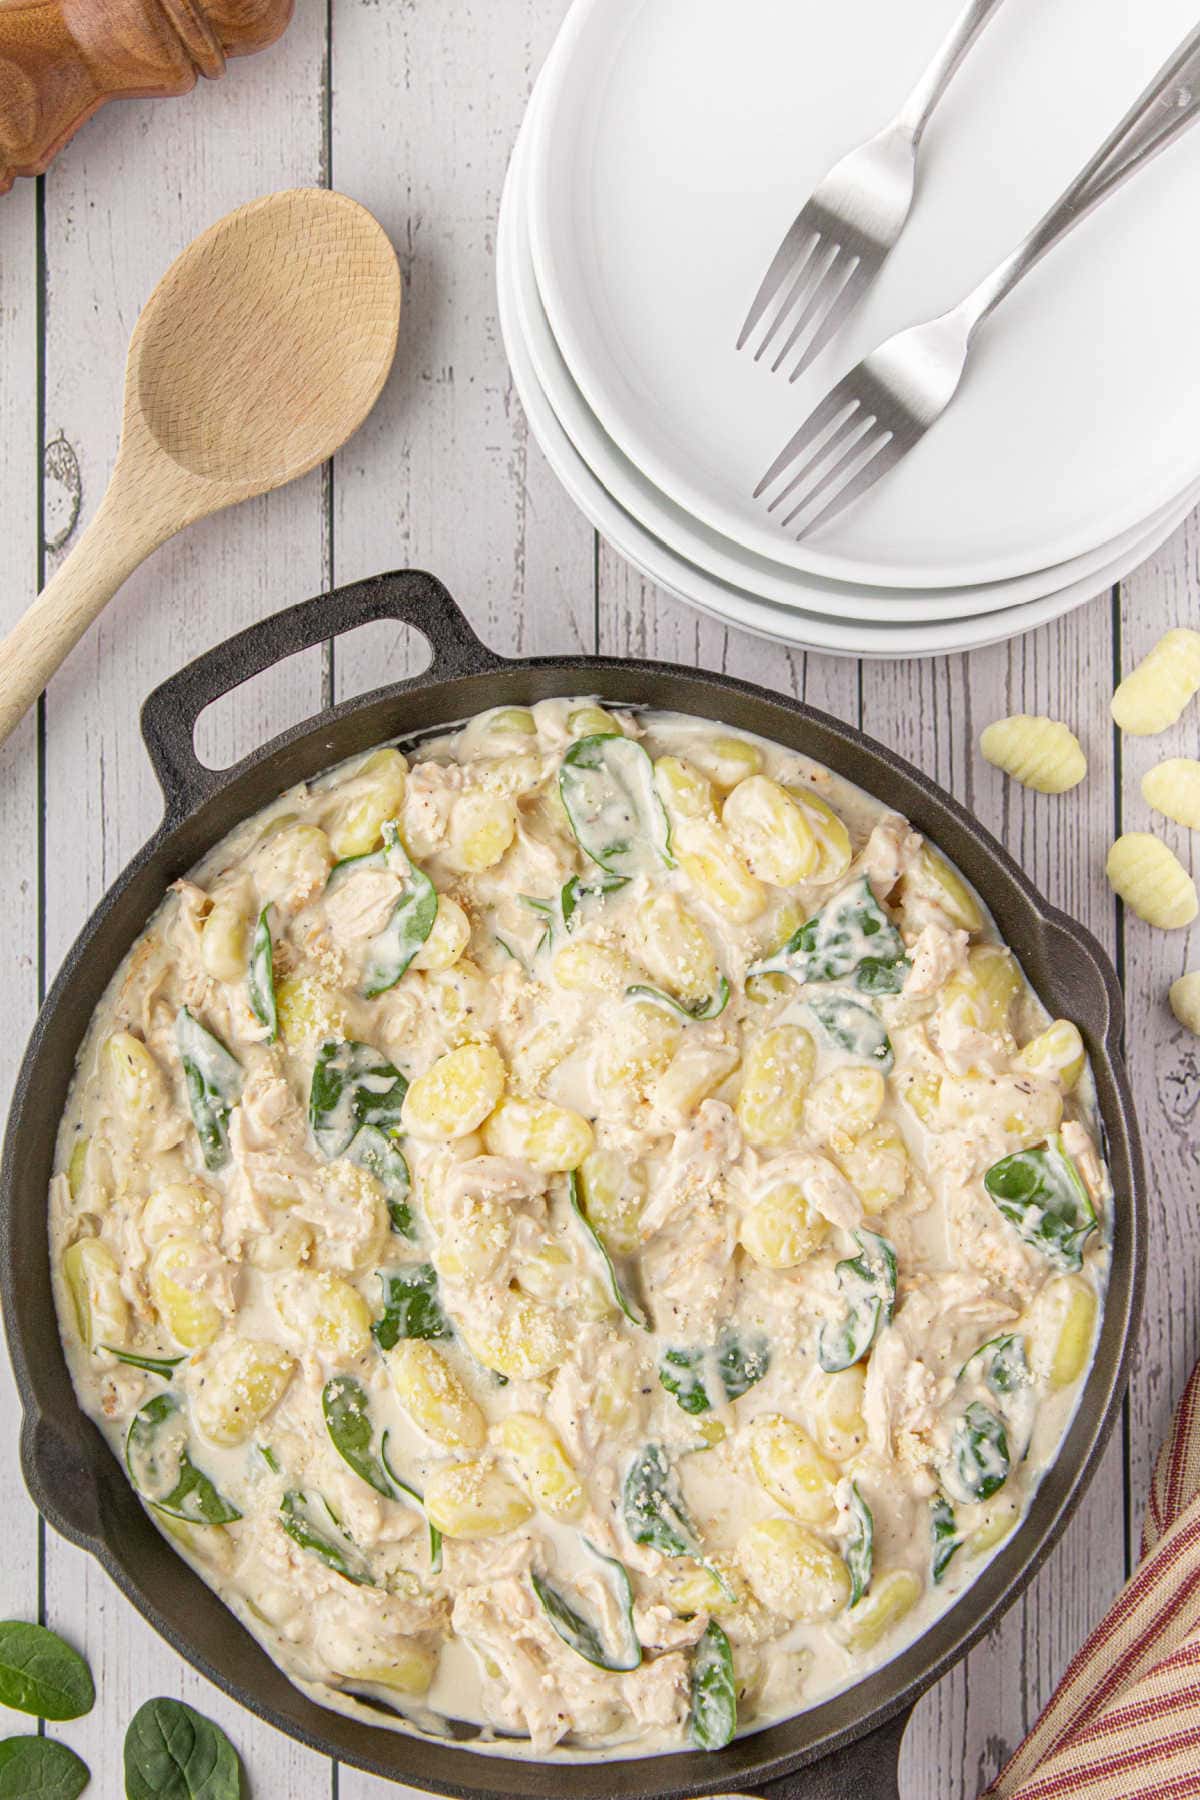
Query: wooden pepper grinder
[[60, 60]]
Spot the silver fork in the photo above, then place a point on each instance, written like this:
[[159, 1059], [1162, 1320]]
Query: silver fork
[[885, 405], [835, 246]]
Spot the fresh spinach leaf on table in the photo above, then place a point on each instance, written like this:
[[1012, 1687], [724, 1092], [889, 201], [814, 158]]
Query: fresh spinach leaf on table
[[40, 1674], [175, 1753]]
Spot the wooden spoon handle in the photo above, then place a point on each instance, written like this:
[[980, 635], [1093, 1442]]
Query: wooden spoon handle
[[111, 548]]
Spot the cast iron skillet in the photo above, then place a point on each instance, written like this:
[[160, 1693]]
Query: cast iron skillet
[[852, 1739]]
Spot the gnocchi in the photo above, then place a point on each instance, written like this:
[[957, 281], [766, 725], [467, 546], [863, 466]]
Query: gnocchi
[[1172, 788], [1154, 694], [1040, 753], [1147, 875]]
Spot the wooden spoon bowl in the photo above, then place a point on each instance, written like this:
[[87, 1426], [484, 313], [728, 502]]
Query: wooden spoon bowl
[[261, 350]]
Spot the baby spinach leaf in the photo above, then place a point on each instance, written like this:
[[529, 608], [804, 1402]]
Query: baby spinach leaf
[[353, 1085], [380, 1157], [260, 977], [851, 935], [392, 949], [389, 954], [653, 1506], [1004, 1366], [214, 1085], [175, 1753], [607, 787], [411, 1308], [632, 1313], [694, 1011], [855, 1029], [347, 1413], [868, 1282], [36, 1768], [583, 1634], [560, 912], [1042, 1194], [153, 1365], [162, 1471], [412, 1493], [576, 891], [943, 1528], [712, 1719], [739, 1364], [980, 1451], [295, 1516], [40, 1674], [860, 1545]]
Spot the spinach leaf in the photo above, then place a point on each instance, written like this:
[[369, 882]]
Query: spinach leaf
[[583, 1634], [214, 1085], [391, 950], [560, 912], [347, 1413], [632, 1313], [697, 1011], [855, 1029], [40, 1674], [162, 1471], [868, 1282], [612, 805], [380, 1157], [411, 1308], [260, 977], [36, 1768], [851, 935], [175, 1753], [1006, 1368], [944, 1531], [980, 1451], [412, 1493], [296, 1518], [1042, 1194], [353, 1085], [153, 1365], [653, 1506], [712, 1720], [576, 891], [739, 1364], [860, 1545]]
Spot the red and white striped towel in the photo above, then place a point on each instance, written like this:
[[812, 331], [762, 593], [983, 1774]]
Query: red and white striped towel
[[1124, 1722]]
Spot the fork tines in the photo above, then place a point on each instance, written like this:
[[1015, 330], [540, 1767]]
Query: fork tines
[[847, 442], [815, 272]]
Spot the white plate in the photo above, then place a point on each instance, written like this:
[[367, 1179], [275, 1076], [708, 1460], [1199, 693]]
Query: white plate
[[708, 549], [676, 139], [723, 600]]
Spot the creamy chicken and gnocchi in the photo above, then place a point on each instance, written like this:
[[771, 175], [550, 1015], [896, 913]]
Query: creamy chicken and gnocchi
[[581, 1231]]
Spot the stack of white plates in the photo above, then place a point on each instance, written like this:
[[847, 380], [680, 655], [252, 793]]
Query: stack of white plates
[[667, 147]]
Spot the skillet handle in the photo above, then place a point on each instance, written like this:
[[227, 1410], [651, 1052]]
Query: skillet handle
[[866, 1769], [409, 595]]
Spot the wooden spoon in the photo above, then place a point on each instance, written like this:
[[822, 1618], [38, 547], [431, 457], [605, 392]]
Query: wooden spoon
[[259, 352]]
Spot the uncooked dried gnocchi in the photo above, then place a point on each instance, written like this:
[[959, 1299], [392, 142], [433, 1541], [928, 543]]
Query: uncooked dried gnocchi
[[1152, 881], [1173, 789], [1153, 695], [1040, 753]]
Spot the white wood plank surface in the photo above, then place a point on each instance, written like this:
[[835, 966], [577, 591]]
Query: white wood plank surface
[[124, 199], [19, 810], [413, 110]]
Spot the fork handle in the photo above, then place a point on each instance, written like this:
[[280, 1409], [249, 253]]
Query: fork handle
[[1161, 113], [914, 115]]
